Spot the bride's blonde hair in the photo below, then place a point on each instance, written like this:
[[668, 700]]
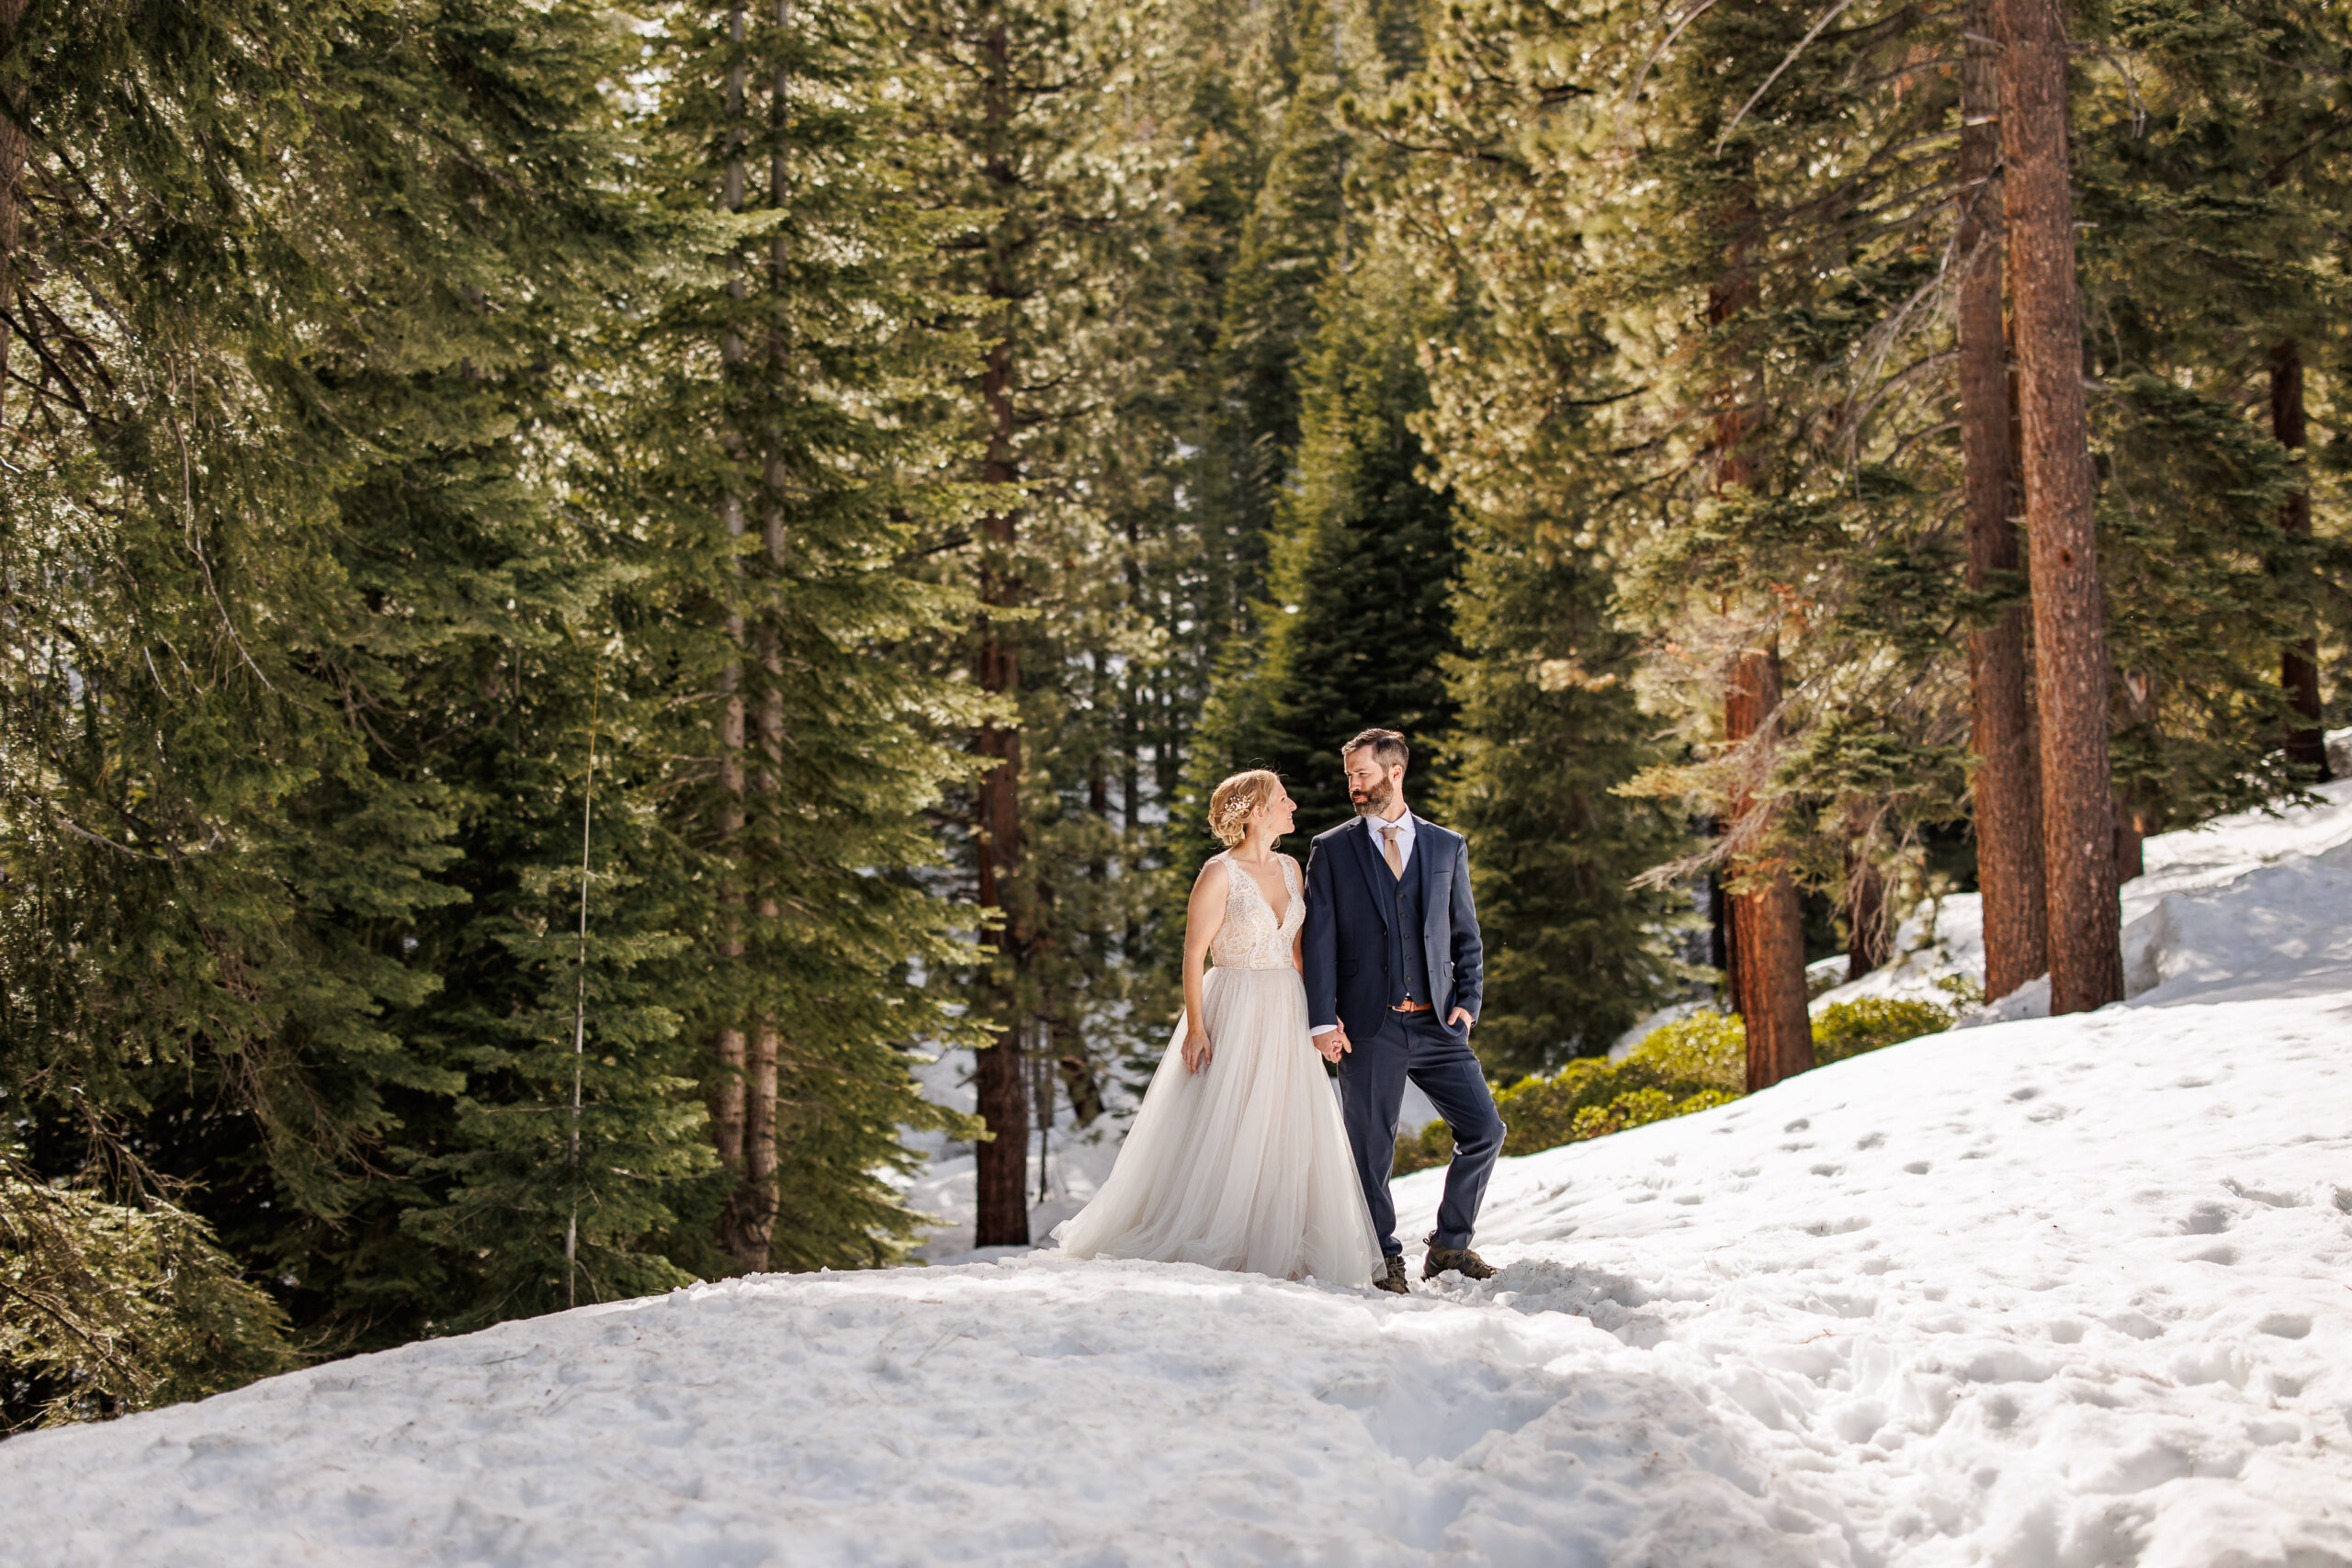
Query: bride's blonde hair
[[1231, 802]]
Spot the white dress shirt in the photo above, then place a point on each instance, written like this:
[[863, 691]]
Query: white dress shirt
[[1404, 836], [1404, 826]]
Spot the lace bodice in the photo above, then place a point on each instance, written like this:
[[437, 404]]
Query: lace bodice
[[1251, 938]]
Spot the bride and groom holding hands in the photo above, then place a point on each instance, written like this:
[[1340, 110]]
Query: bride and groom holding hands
[[1239, 1157]]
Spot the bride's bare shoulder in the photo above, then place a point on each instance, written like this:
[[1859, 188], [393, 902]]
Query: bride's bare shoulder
[[1212, 874]]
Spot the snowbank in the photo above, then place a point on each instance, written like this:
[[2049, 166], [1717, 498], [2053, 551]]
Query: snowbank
[[2252, 904], [2050, 1292]]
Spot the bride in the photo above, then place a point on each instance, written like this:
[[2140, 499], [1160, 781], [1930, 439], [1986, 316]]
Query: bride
[[1239, 1158]]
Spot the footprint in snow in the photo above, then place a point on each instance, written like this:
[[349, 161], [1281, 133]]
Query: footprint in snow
[[2206, 1219], [2274, 1199]]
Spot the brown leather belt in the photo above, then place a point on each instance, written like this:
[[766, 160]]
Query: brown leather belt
[[1409, 1005]]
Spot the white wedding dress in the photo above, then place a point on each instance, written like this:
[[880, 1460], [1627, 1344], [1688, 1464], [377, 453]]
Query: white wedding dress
[[1243, 1165]]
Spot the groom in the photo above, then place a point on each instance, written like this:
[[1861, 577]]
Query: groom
[[1395, 972]]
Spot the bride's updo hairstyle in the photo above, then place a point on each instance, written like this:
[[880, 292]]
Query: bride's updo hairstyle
[[1231, 802]]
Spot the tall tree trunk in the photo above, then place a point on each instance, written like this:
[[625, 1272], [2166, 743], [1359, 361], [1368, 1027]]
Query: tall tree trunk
[[1002, 1219], [1767, 925], [1763, 929], [727, 1120], [998, 1080], [2299, 673], [13, 147], [751, 1212], [2069, 619], [2005, 784]]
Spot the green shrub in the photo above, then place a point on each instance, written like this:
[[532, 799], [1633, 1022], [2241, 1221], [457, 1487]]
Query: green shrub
[[1690, 1065], [1683, 1066], [1432, 1146], [1639, 1108], [1708, 1048], [1849, 1029]]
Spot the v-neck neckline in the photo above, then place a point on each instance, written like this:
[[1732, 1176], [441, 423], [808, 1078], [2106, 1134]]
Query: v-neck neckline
[[1243, 866]]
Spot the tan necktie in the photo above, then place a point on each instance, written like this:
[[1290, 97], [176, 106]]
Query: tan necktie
[[1388, 831]]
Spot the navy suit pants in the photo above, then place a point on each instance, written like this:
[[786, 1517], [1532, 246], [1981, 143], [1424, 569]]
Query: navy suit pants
[[1371, 1092]]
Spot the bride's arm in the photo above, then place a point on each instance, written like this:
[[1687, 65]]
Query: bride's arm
[[1203, 916], [1298, 937]]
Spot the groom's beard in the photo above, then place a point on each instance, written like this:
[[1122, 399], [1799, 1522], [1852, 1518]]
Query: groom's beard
[[1373, 801]]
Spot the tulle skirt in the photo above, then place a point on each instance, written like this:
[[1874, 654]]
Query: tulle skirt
[[1243, 1165]]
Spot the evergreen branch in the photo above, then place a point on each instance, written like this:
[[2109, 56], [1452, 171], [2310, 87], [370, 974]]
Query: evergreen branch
[[49, 361], [2280, 165], [81, 832], [1789, 58], [129, 1372], [1477, 155], [1642, 73], [2131, 83]]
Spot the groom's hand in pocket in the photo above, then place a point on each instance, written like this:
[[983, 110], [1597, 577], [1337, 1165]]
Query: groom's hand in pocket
[[1460, 1019]]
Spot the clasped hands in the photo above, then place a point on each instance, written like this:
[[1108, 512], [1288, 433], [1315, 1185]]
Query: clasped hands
[[1331, 1044], [1334, 1044]]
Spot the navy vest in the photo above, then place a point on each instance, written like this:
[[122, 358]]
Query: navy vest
[[1408, 960]]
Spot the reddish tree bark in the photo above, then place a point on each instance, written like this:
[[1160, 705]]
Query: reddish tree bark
[[1764, 928], [2069, 618], [1767, 925], [999, 1082], [2299, 671], [2005, 786]]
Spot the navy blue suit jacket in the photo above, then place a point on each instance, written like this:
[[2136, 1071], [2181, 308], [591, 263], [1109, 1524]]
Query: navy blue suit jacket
[[1351, 899]]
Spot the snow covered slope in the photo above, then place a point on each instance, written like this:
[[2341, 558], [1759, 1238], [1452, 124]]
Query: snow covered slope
[[2250, 905], [2050, 1293]]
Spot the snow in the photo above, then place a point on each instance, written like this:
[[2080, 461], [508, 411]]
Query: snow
[[2246, 905], [2051, 1293]]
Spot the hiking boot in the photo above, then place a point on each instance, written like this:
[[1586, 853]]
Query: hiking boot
[[1393, 1278], [1454, 1261]]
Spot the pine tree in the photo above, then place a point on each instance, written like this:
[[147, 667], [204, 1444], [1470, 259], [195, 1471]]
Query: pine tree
[[569, 1161], [2201, 179], [258, 370], [1365, 565], [1768, 490], [1274, 295], [2005, 780], [2070, 643], [1037, 196], [789, 467], [1548, 727]]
